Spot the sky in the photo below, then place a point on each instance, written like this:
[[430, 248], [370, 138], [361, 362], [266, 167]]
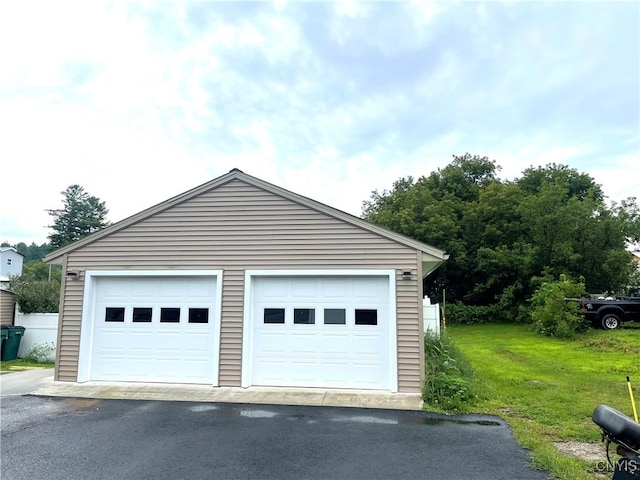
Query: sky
[[140, 101]]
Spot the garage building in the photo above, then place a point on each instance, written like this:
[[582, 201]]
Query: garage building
[[238, 282]]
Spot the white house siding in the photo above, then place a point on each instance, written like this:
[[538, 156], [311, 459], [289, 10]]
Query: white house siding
[[236, 227], [10, 262]]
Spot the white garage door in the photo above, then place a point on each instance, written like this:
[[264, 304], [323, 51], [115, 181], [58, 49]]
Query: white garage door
[[321, 332], [155, 329]]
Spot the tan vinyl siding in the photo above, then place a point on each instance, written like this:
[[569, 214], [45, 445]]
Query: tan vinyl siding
[[69, 332], [235, 227], [7, 308]]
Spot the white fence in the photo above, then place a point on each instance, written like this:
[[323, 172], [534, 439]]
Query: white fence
[[431, 316], [39, 329]]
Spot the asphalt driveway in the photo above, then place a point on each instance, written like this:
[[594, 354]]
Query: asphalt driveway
[[58, 438]]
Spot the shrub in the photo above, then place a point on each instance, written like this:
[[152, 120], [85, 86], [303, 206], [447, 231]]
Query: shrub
[[552, 315], [459, 313], [35, 296], [42, 353], [448, 375]]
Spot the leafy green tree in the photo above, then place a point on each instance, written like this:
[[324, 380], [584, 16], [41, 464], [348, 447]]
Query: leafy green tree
[[504, 235], [33, 252], [434, 210], [40, 271], [81, 215], [579, 185]]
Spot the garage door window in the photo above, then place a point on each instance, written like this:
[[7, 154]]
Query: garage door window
[[113, 314], [198, 315], [335, 316], [142, 314], [169, 315], [304, 316], [274, 315], [366, 317]]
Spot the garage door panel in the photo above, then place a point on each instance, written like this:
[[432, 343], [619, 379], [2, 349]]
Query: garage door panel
[[304, 288], [301, 343], [302, 371], [339, 354], [110, 367], [271, 370], [143, 288], [366, 374], [336, 344], [155, 351], [367, 290], [336, 289], [276, 288], [367, 345], [330, 373], [272, 343]]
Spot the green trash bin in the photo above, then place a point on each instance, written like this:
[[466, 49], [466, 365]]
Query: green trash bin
[[11, 344], [4, 334]]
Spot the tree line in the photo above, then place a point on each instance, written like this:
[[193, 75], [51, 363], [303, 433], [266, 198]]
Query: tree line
[[506, 237]]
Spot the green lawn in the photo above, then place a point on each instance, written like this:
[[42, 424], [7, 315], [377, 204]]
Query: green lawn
[[547, 388], [21, 364]]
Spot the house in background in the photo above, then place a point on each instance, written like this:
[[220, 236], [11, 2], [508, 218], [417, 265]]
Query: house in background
[[241, 283], [10, 265]]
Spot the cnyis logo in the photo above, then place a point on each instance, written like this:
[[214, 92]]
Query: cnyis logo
[[627, 469]]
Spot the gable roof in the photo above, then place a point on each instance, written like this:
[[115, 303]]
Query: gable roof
[[235, 174], [7, 249]]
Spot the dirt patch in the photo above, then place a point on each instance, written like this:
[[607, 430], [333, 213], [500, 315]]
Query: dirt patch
[[591, 452], [82, 402]]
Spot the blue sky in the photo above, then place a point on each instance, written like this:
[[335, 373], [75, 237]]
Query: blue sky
[[138, 102]]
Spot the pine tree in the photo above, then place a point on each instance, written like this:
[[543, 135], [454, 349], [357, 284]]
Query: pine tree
[[81, 215]]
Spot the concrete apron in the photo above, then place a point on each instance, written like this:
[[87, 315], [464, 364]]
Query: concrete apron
[[257, 395]]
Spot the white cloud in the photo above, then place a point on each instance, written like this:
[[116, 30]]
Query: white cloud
[[139, 102]]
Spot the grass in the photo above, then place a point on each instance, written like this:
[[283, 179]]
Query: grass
[[22, 363], [546, 388]]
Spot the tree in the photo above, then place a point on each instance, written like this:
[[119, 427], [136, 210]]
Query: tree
[[435, 210], [39, 271], [81, 215], [503, 236]]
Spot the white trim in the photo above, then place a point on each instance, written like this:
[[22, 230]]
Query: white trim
[[152, 273], [86, 328], [247, 327]]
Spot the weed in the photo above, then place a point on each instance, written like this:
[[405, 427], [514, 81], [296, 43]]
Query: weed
[[447, 385], [42, 353]]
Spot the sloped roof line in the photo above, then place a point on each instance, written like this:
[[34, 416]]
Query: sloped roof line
[[236, 174], [6, 249]]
